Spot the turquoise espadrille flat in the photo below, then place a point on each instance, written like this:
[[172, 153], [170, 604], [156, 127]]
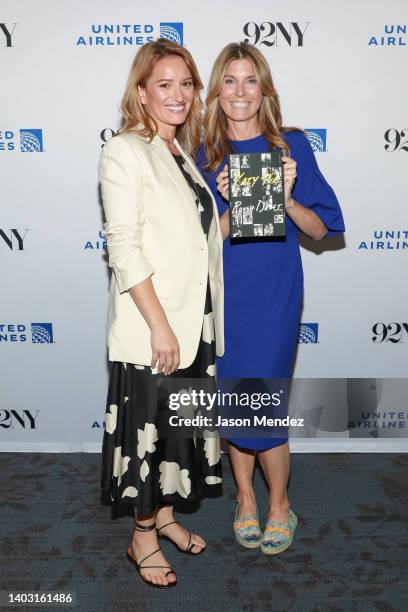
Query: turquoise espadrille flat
[[247, 530], [278, 535]]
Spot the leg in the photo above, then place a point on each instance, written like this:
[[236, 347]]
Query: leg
[[246, 523], [243, 463], [144, 543], [177, 533], [275, 463]]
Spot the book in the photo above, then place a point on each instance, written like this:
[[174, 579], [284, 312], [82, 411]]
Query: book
[[257, 198]]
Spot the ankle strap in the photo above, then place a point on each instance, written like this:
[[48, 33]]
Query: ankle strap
[[163, 526], [140, 527]]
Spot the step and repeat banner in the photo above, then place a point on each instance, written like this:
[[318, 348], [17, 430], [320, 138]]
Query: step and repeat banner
[[340, 70]]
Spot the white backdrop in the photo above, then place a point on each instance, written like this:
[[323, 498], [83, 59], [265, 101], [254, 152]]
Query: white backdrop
[[61, 88]]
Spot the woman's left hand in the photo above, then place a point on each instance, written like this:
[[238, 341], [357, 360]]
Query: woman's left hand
[[289, 173]]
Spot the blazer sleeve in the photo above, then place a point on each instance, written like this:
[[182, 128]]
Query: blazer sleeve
[[121, 185]]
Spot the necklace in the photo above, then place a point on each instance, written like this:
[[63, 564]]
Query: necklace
[[170, 144], [167, 139]]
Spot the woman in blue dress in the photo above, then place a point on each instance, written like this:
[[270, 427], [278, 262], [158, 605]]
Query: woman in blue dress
[[263, 280]]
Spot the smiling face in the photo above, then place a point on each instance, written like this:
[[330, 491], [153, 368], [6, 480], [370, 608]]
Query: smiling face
[[240, 96], [168, 93]]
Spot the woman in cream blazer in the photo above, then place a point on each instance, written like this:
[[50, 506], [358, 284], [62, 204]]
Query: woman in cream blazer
[[153, 230], [165, 312]]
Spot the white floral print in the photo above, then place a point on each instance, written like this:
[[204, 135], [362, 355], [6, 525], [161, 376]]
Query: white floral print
[[212, 447], [111, 419], [208, 328], [173, 479], [120, 464], [129, 492], [144, 470], [146, 440]]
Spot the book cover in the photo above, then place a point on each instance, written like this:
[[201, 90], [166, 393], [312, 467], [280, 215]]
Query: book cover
[[257, 199]]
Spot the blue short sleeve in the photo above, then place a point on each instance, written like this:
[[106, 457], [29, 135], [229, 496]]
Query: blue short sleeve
[[311, 188]]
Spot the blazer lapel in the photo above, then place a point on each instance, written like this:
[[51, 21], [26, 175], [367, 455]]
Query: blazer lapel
[[169, 164], [193, 168], [203, 183]]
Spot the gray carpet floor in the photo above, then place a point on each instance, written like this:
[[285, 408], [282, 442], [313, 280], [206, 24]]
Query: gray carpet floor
[[349, 551]]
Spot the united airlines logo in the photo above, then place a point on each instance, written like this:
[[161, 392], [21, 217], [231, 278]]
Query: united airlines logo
[[318, 139], [31, 141], [308, 333], [98, 425], [386, 240], [26, 140], [394, 35], [132, 34], [41, 333], [98, 244], [172, 31]]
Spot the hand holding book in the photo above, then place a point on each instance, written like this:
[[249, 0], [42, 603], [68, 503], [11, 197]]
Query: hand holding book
[[306, 220], [289, 173], [223, 183], [256, 188]]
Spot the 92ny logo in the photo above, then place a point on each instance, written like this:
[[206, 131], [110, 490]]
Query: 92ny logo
[[106, 134], [397, 140], [24, 418], [13, 239], [271, 34], [7, 32], [389, 332]]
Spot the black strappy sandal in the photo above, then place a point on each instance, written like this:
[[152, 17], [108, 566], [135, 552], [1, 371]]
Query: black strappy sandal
[[190, 544], [139, 565]]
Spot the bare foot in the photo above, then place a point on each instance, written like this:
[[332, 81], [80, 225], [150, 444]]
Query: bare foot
[[246, 506], [181, 537], [143, 544], [278, 514]]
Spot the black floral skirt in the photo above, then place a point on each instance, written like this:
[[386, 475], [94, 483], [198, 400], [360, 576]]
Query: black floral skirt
[[142, 465]]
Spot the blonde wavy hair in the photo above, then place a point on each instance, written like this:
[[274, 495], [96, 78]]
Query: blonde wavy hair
[[216, 141], [136, 118]]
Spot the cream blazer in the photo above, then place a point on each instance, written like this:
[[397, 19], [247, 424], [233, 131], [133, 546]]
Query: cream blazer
[[153, 230]]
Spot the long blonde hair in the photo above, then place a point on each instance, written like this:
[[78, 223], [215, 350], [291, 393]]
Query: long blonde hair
[[216, 141], [135, 116]]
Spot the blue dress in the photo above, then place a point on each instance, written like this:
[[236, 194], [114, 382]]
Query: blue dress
[[266, 278]]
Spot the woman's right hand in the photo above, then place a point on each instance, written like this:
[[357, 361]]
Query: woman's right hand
[[165, 349], [223, 183]]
